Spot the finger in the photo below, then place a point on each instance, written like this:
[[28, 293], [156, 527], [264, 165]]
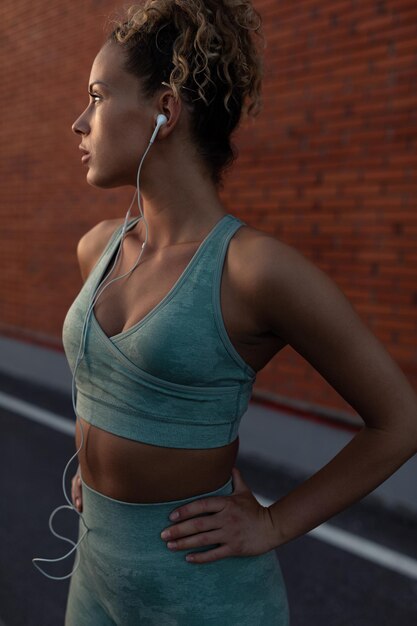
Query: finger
[[78, 488], [196, 507], [75, 483], [222, 552], [195, 541], [77, 493], [191, 527], [239, 485]]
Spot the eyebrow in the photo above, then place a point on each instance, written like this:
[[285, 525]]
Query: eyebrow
[[97, 82]]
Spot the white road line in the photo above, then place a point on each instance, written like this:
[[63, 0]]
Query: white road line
[[37, 414], [363, 548]]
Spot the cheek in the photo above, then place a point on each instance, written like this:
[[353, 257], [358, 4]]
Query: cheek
[[120, 131], [121, 136], [134, 126]]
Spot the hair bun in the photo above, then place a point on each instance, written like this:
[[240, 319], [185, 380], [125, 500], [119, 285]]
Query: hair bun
[[206, 51]]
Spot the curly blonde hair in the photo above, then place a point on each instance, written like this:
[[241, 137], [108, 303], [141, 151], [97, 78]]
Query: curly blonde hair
[[206, 52]]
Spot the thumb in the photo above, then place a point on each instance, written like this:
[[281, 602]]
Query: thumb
[[238, 483]]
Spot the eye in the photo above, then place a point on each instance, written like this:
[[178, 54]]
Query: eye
[[94, 95]]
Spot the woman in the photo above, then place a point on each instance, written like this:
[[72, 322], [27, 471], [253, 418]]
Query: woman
[[173, 349]]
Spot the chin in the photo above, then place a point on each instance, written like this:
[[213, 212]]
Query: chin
[[103, 182]]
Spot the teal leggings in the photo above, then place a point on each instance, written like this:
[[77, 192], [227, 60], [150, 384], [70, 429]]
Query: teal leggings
[[128, 577]]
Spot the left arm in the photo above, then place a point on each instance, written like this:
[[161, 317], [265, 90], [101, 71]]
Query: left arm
[[301, 304], [292, 298]]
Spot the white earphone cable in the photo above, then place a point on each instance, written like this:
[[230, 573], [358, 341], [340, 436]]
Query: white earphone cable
[[161, 119]]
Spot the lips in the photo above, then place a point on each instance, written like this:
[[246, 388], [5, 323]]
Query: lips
[[86, 155]]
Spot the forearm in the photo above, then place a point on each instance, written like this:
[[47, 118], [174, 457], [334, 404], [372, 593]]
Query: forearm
[[365, 462]]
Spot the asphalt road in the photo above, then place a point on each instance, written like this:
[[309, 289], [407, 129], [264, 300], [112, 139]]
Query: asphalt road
[[326, 585]]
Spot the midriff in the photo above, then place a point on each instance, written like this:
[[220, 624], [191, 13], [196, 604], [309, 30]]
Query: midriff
[[133, 471]]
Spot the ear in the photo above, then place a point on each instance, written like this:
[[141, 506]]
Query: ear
[[170, 106]]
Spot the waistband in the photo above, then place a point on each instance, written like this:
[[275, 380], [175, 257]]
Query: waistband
[[223, 490], [117, 527]]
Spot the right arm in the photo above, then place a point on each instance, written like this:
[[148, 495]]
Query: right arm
[[89, 249], [92, 244]]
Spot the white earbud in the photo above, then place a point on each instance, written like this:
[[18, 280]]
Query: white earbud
[[160, 120]]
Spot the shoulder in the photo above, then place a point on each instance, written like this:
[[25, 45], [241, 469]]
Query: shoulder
[[259, 264], [93, 242], [281, 285]]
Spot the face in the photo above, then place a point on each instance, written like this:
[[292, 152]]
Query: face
[[117, 124]]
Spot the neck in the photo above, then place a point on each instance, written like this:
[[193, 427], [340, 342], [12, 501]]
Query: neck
[[175, 224]]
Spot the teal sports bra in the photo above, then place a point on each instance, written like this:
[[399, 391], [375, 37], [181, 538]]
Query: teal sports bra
[[174, 378]]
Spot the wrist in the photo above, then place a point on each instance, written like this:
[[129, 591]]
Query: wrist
[[276, 537]]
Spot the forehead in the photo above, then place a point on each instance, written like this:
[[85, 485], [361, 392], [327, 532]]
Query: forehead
[[108, 67]]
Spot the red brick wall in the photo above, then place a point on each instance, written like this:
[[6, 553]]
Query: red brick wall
[[328, 167]]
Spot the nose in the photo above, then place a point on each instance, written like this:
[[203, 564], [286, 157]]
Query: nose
[[75, 129], [80, 126]]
